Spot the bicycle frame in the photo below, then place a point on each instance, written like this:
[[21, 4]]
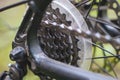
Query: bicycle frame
[[38, 62]]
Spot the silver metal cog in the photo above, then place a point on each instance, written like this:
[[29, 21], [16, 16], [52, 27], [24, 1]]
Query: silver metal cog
[[62, 46], [62, 12]]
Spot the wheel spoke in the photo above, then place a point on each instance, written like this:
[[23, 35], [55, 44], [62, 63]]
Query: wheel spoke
[[81, 3], [13, 5], [110, 59], [89, 10], [101, 68], [104, 57]]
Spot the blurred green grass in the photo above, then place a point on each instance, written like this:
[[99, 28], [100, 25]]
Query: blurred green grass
[[9, 18], [9, 21], [12, 18]]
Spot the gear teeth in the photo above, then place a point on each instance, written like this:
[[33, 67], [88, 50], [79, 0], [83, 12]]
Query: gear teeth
[[76, 40], [69, 22], [78, 58], [78, 49], [63, 16], [57, 43], [71, 51]]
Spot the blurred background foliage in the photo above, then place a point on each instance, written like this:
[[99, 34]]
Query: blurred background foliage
[[9, 23]]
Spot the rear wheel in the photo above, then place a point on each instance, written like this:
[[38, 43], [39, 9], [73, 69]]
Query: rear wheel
[[103, 17]]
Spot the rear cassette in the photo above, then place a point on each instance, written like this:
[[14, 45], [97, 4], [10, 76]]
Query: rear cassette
[[61, 45], [58, 44]]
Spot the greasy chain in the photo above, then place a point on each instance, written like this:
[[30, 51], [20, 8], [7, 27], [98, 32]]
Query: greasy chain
[[86, 34]]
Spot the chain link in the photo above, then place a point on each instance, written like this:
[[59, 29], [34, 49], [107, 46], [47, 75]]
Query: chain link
[[86, 34]]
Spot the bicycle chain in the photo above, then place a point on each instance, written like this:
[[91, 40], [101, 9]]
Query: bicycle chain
[[103, 19], [56, 44], [87, 34], [55, 38], [61, 43], [113, 5]]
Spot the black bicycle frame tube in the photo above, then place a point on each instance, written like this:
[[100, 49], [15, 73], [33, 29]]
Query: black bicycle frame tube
[[43, 64], [50, 67], [54, 68]]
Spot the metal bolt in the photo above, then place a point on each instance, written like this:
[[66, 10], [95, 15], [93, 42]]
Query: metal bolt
[[18, 54]]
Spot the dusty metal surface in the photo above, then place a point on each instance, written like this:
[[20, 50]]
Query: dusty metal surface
[[60, 45]]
